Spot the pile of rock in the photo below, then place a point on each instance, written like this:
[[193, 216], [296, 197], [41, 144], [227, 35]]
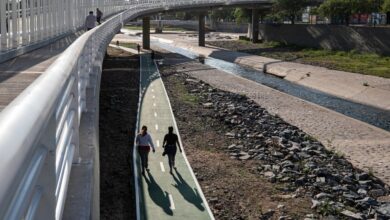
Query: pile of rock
[[288, 155]]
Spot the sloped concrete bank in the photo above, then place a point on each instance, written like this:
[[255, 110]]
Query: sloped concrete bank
[[368, 90]]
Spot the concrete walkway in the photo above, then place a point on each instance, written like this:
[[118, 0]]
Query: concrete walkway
[[366, 146], [365, 89], [162, 195], [18, 73]]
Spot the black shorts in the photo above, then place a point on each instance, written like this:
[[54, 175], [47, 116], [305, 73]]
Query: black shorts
[[170, 149]]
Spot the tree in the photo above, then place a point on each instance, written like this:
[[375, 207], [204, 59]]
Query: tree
[[242, 15], [290, 8], [226, 14], [386, 9], [341, 10]]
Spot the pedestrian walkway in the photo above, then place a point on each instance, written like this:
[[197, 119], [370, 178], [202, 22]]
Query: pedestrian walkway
[[18, 73], [162, 195]]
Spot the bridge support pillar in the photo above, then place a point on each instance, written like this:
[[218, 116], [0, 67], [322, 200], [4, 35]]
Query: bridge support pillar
[[255, 25], [202, 30], [146, 33]]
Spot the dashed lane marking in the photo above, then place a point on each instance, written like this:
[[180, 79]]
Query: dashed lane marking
[[162, 167], [172, 207]]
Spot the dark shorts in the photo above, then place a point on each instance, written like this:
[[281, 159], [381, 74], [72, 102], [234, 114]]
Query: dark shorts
[[170, 149]]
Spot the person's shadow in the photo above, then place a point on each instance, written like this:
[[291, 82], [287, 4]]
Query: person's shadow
[[189, 194], [158, 196]]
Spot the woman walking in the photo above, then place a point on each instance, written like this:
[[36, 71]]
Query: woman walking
[[169, 144], [144, 142]]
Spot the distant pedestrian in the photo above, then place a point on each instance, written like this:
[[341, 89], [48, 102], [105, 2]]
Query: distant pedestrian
[[117, 43], [152, 55], [90, 21], [99, 15], [171, 140], [139, 48], [144, 142]]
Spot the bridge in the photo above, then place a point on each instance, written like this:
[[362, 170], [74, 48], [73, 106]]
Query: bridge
[[49, 130]]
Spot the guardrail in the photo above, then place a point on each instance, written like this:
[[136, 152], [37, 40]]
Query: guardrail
[[39, 130]]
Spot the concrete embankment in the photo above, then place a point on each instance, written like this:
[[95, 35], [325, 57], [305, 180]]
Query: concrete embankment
[[368, 90]]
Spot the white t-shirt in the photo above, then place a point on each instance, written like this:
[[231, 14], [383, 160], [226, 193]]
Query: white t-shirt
[[145, 140], [90, 21]]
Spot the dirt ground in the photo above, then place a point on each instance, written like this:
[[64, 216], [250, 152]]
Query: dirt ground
[[118, 112], [233, 188]]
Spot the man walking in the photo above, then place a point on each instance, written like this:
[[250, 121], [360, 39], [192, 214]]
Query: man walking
[[99, 15], [139, 48], [90, 21], [144, 142]]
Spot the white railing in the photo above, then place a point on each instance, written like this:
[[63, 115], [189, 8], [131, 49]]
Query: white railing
[[39, 130]]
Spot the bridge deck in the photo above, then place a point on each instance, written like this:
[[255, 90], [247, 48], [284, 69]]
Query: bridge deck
[[165, 196], [18, 73]]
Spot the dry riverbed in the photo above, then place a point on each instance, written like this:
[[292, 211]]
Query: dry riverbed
[[253, 165]]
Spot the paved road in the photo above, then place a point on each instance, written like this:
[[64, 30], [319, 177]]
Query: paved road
[[165, 196]]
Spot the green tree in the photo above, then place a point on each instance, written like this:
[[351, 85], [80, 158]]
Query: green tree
[[242, 15], [226, 14], [386, 9], [341, 10], [290, 8]]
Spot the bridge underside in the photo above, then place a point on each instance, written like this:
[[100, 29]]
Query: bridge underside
[[201, 9]]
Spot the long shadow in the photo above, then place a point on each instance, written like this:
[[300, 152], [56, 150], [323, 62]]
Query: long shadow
[[188, 193], [158, 196]]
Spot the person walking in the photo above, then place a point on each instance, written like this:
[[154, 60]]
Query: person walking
[[169, 145], [99, 15], [139, 48], [90, 21], [144, 142], [152, 55]]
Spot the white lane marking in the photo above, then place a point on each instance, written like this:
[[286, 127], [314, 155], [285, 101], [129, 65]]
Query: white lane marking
[[152, 90], [153, 97], [162, 167], [156, 127], [171, 201], [158, 143], [155, 114], [154, 104]]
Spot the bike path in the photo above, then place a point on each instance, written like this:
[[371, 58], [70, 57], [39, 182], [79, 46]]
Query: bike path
[[162, 195]]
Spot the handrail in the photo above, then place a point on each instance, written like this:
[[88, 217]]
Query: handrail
[[39, 130]]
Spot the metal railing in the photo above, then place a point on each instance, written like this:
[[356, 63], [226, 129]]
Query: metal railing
[[39, 130]]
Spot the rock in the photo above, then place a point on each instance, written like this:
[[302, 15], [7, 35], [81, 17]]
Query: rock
[[278, 154], [362, 191], [352, 214], [208, 105], [367, 201], [321, 196], [361, 176], [315, 203], [244, 157], [377, 193], [320, 179], [269, 174], [384, 209], [232, 147], [281, 206], [230, 134]]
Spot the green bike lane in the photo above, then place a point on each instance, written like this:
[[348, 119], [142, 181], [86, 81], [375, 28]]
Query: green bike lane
[[162, 195]]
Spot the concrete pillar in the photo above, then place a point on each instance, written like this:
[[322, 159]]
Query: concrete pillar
[[146, 33], [202, 30], [255, 25]]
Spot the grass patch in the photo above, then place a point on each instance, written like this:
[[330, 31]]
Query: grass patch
[[352, 61], [184, 95]]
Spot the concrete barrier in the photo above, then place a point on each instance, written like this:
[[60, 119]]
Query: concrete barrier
[[333, 37]]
